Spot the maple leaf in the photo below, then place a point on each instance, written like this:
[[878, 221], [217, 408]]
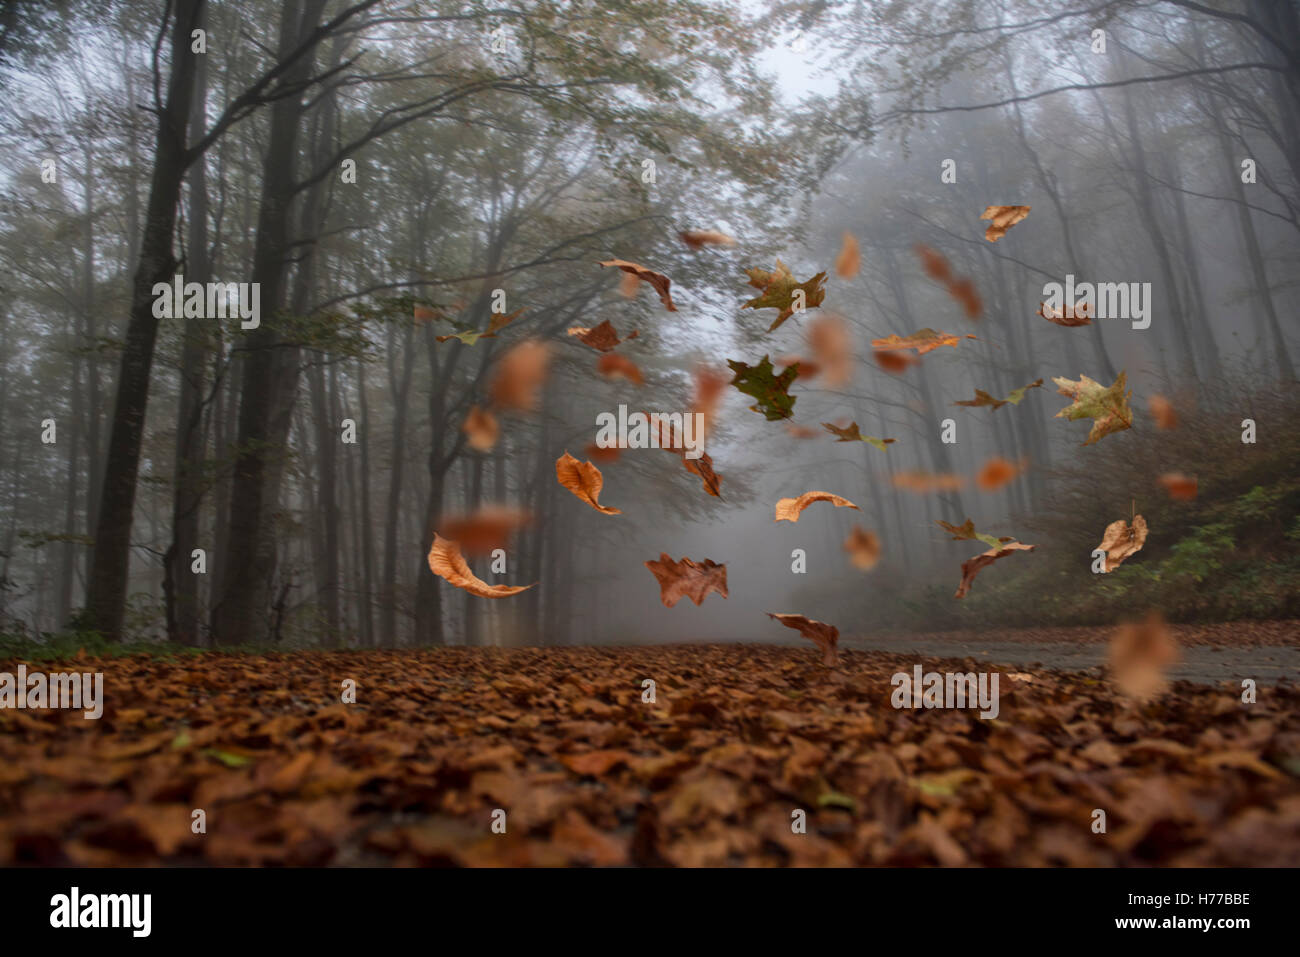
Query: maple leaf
[[520, 374], [481, 429], [789, 509], [584, 480], [446, 562], [1120, 541], [1179, 486], [693, 580], [825, 637], [781, 292], [1003, 218], [926, 340], [1065, 315], [602, 337], [485, 529], [1107, 407], [498, 322], [658, 281], [849, 260], [696, 238], [1014, 398], [863, 547], [1162, 410], [772, 391], [613, 364], [851, 434], [972, 566], [966, 532], [1138, 654]]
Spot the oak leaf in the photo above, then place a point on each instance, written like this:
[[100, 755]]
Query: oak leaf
[[1107, 407], [446, 562], [780, 291], [693, 580], [584, 480], [825, 637], [1003, 218], [789, 509], [849, 260], [762, 383], [863, 547], [498, 322], [966, 532], [1121, 541], [602, 337], [852, 434], [658, 281]]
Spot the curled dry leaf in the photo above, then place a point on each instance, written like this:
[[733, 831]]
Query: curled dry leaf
[[781, 291], [1003, 218], [1107, 407], [863, 547], [1120, 541], [966, 532], [1066, 315], [972, 566], [849, 260], [1162, 410], [1014, 398], [693, 580], [852, 434], [602, 337], [481, 429], [612, 364], [997, 472], [926, 340], [1139, 653], [825, 637], [927, 483], [671, 441], [658, 281], [520, 374], [446, 562], [832, 349], [1179, 486], [789, 509], [498, 322], [584, 480], [486, 528], [697, 238], [597, 453]]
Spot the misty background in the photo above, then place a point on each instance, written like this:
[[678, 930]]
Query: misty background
[[505, 147]]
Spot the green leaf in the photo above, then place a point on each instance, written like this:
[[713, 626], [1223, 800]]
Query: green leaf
[[761, 383], [779, 288], [1107, 407], [836, 799], [227, 758]]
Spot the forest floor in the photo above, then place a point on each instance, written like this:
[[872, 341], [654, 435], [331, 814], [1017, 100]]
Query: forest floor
[[738, 739]]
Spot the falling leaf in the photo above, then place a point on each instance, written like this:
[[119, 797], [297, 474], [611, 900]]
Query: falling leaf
[[596, 453], [446, 562], [972, 566], [693, 580], [1179, 486], [863, 547], [1162, 410], [481, 429], [696, 238], [484, 529], [671, 441], [966, 532], [960, 288], [602, 337], [1003, 218], [1120, 541], [825, 637], [628, 284], [801, 431], [1107, 407], [1138, 655], [894, 361], [425, 314], [498, 322], [658, 281], [851, 434], [849, 260], [997, 472], [779, 292], [964, 291], [584, 480], [613, 364], [925, 483], [832, 349], [709, 386], [1014, 398], [520, 374], [771, 391], [789, 509], [1066, 315], [924, 341]]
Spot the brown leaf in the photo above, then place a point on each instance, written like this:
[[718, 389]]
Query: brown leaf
[[1139, 654], [1162, 410], [519, 376], [926, 483], [894, 361], [801, 431], [446, 562], [1120, 541], [961, 288], [832, 349], [849, 260], [693, 580], [1179, 486], [605, 456], [710, 384], [481, 429], [670, 441], [697, 238], [613, 364], [485, 529], [584, 480], [658, 281], [789, 509], [997, 472], [602, 337], [863, 548], [1066, 315], [825, 637], [1003, 218], [926, 340], [972, 566]]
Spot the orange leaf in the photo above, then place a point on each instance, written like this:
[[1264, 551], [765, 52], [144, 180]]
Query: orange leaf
[[849, 260], [485, 529], [696, 238], [446, 562], [602, 337], [584, 480], [894, 362], [1003, 217], [481, 428], [863, 548], [789, 509], [1119, 541], [613, 364], [519, 376], [824, 636], [596, 453], [1138, 655], [971, 567], [1179, 486], [658, 281], [997, 472], [1162, 410], [924, 483], [1065, 315], [691, 579], [927, 340], [832, 349]]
